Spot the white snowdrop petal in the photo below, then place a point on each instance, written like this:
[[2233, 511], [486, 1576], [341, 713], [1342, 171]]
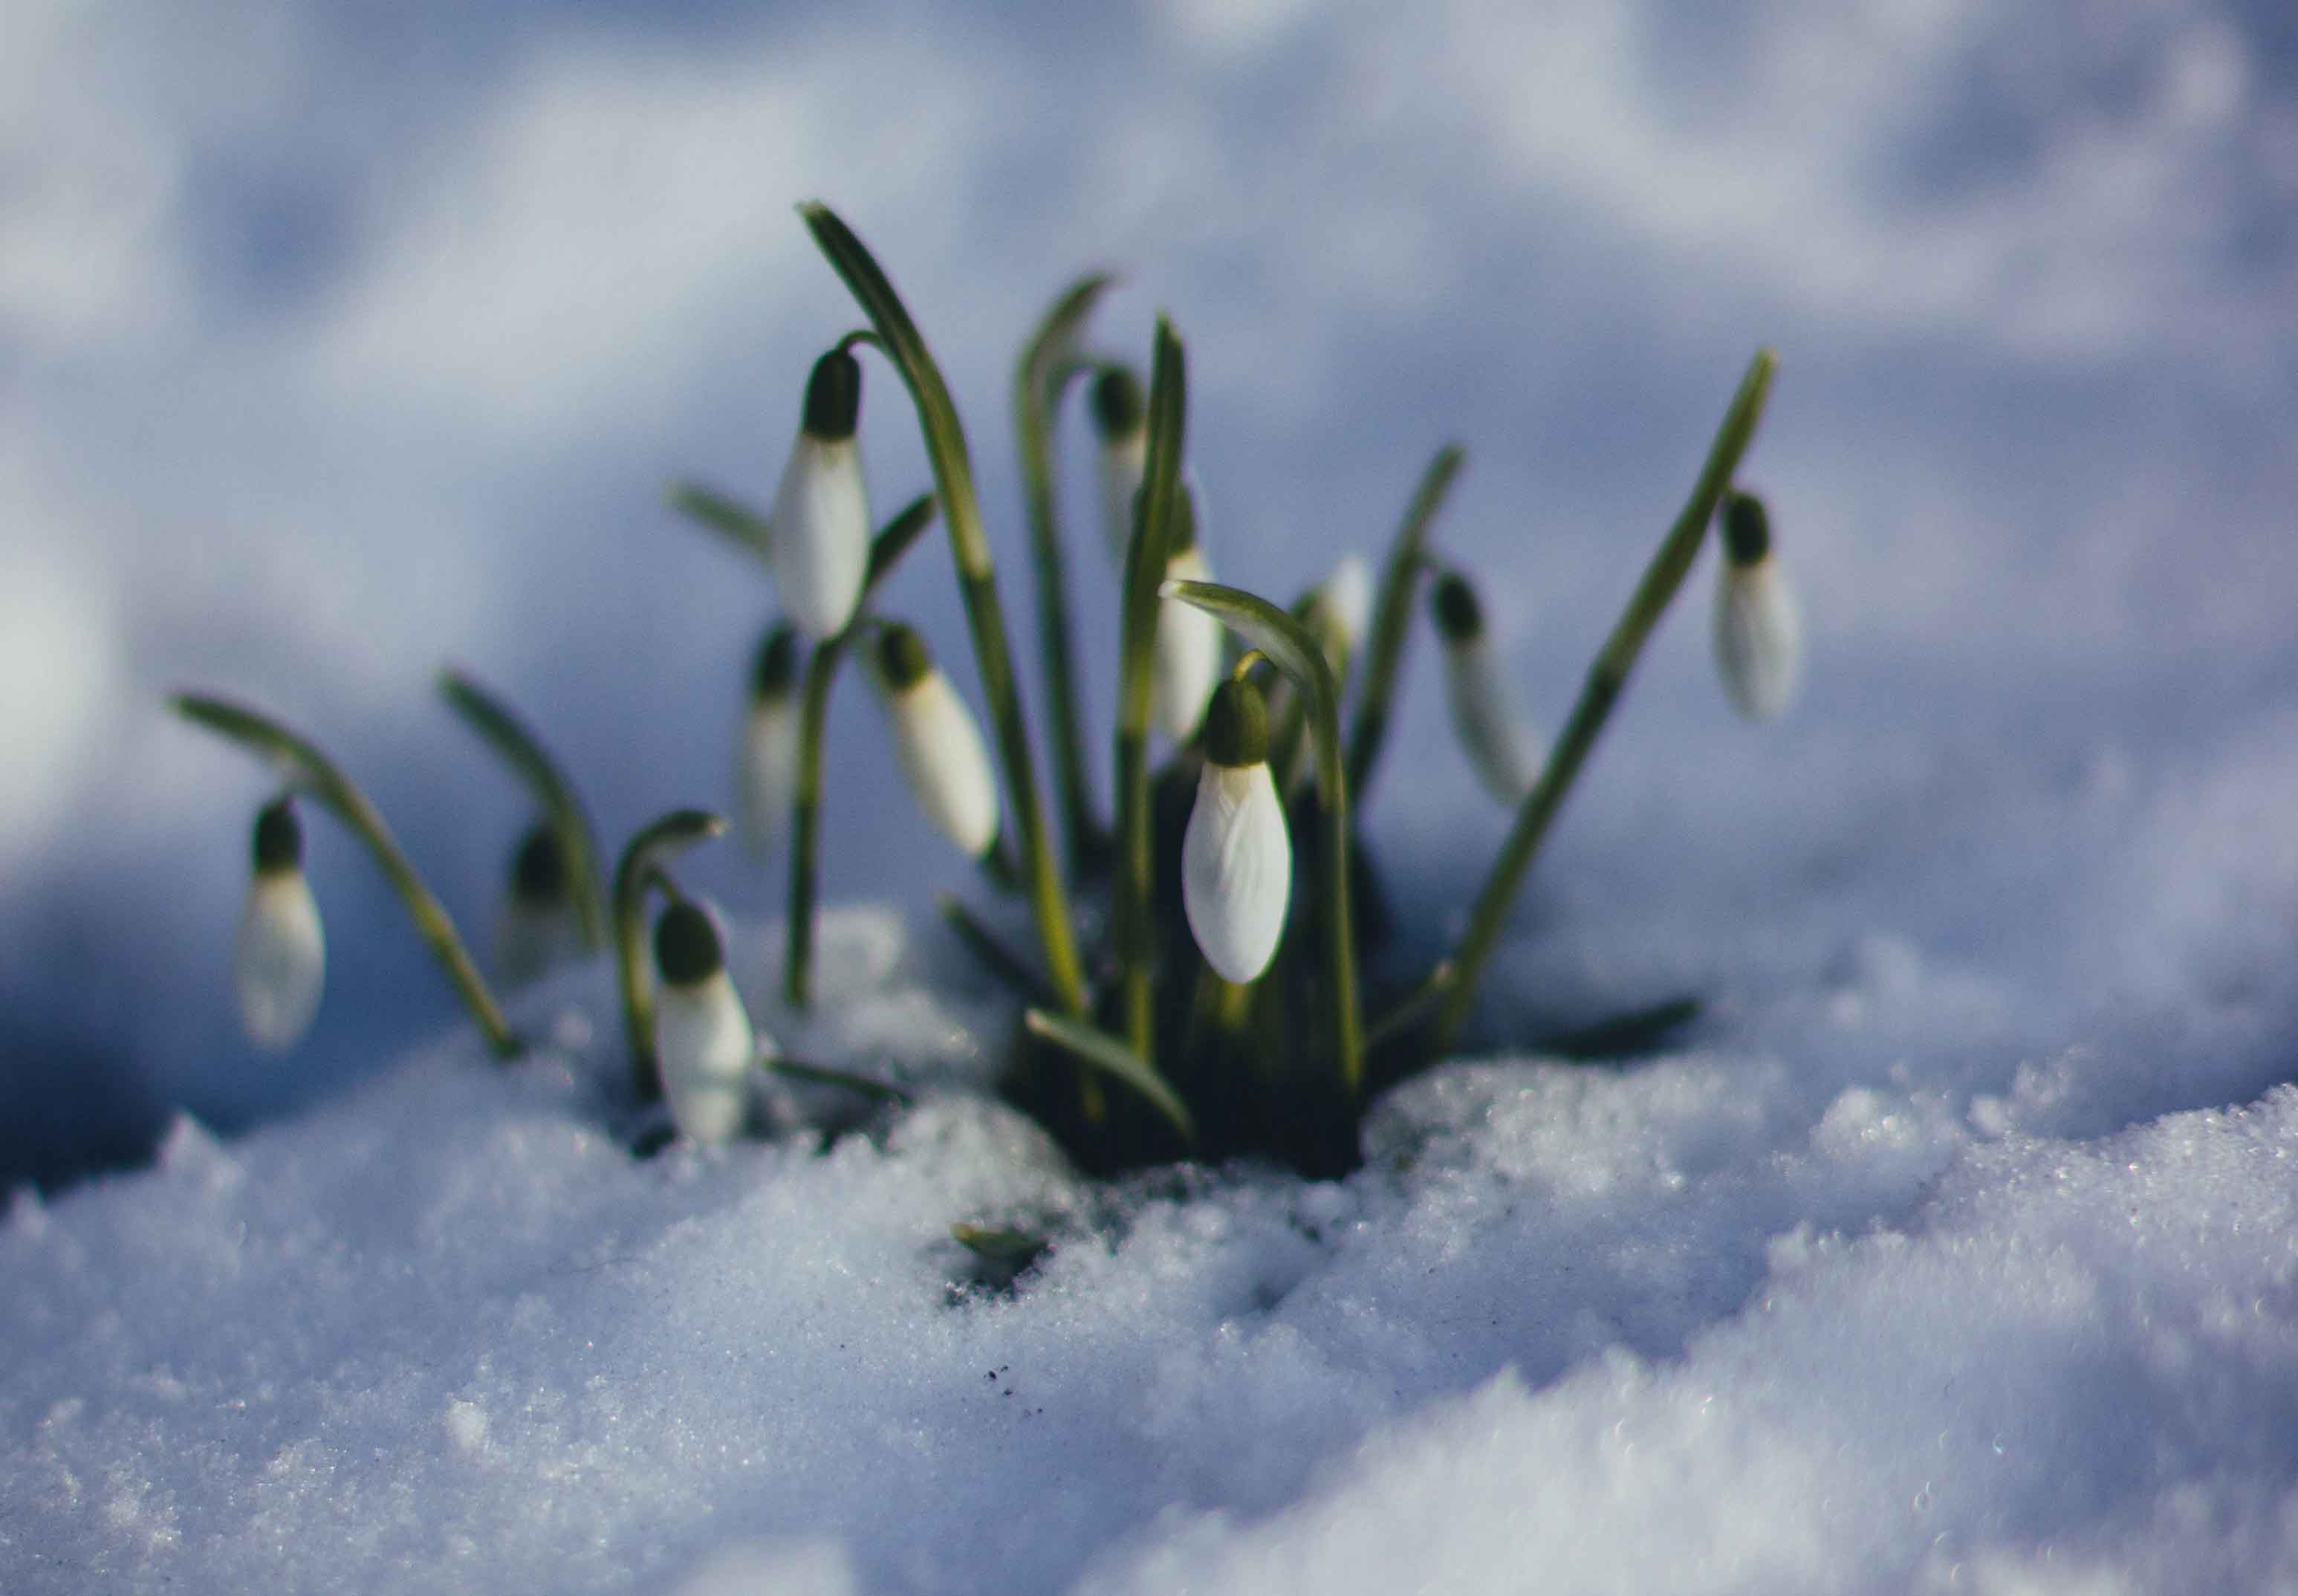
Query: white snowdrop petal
[[1236, 869], [944, 761], [1123, 464], [821, 533], [704, 1047], [1348, 597], [279, 960], [1758, 638], [766, 771], [1498, 742], [1186, 665]]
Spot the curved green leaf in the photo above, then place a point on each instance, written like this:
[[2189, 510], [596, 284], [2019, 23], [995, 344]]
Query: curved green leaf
[[1112, 1057], [502, 731]]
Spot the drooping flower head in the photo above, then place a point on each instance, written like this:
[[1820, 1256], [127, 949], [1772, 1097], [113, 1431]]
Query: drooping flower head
[[279, 957], [935, 741], [703, 1042], [1758, 626], [765, 764], [820, 529], [1186, 661], [539, 926], [1122, 418], [1236, 857], [1491, 731]]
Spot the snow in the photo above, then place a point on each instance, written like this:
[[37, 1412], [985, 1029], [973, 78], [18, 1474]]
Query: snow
[[1950, 1248]]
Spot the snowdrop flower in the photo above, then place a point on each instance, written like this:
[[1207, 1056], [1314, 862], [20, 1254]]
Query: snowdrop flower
[[936, 741], [702, 1038], [1338, 611], [765, 767], [1758, 629], [279, 959], [1236, 859], [539, 927], [1485, 716], [819, 547], [1122, 421], [1188, 658]]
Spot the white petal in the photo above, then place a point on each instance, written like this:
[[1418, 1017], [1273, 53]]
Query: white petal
[[1186, 663], [530, 941], [1498, 740], [1237, 870], [704, 1047], [279, 960], [1758, 639], [820, 535], [1123, 464], [1348, 597], [766, 771], [943, 760]]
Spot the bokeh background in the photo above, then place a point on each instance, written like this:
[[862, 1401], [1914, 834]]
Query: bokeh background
[[338, 341]]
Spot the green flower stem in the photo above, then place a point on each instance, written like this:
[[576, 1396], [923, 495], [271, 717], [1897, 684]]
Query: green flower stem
[[1392, 623], [1145, 569], [1295, 650], [894, 540], [305, 765], [640, 869], [1046, 368], [578, 842], [805, 811], [945, 441], [1605, 677]]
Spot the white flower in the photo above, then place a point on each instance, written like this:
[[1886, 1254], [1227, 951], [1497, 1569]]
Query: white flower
[[1186, 661], [1237, 858], [1758, 629], [765, 764], [1344, 605], [539, 927], [819, 528], [1123, 423], [280, 958], [1498, 742], [702, 1043], [936, 741]]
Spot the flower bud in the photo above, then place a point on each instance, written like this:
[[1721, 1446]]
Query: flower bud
[[765, 765], [1121, 417], [936, 741], [1491, 731], [1236, 857], [539, 927], [280, 958], [1758, 628], [819, 528], [702, 1043]]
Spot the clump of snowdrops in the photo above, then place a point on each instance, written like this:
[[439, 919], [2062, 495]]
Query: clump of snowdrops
[[1221, 1011]]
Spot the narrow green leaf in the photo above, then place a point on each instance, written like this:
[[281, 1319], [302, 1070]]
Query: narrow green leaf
[[1606, 676], [1001, 961], [1011, 1251], [1295, 650], [1392, 622], [300, 762], [953, 468], [645, 855], [1044, 371], [897, 538], [822, 1075], [553, 794], [1616, 1036], [1106, 1054], [722, 513]]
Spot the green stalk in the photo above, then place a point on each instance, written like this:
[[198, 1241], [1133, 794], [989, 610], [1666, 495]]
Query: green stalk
[[306, 764], [953, 468], [1295, 650], [805, 810], [1044, 372], [1145, 568], [1605, 677], [487, 715], [642, 863], [893, 541], [1392, 622]]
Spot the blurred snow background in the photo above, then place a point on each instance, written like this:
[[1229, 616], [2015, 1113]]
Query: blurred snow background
[[337, 343]]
